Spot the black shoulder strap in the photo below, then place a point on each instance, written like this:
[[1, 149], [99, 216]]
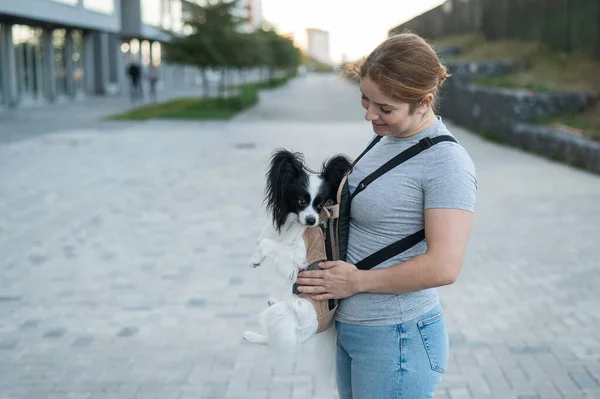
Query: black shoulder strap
[[371, 144], [391, 250], [405, 155], [410, 241]]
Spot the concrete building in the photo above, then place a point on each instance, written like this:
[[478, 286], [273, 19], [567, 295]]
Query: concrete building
[[59, 50], [254, 13], [314, 43]]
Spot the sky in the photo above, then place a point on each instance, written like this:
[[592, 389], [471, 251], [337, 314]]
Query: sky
[[355, 27]]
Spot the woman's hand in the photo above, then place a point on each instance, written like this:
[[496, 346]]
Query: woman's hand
[[338, 280]]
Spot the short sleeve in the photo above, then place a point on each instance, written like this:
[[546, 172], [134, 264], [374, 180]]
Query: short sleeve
[[450, 180]]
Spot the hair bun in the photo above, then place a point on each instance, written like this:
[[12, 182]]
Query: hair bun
[[443, 75]]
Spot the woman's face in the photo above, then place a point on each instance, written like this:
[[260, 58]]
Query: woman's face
[[388, 116]]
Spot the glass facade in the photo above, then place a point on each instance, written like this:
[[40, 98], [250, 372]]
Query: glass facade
[[48, 61], [2, 72], [77, 57], [151, 12], [103, 6], [166, 14], [60, 57], [177, 15], [69, 2], [145, 52], [156, 53], [29, 57]]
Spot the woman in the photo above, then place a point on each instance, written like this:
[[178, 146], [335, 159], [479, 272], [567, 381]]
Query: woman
[[392, 339]]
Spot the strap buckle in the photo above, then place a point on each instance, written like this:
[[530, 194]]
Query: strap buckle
[[426, 143]]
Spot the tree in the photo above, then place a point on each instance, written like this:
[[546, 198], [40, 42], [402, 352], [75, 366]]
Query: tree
[[218, 42], [283, 53], [208, 46]]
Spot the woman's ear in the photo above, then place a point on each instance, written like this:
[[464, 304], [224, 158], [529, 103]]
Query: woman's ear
[[426, 103]]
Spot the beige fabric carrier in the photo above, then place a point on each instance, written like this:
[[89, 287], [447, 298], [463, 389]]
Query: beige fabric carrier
[[314, 241]]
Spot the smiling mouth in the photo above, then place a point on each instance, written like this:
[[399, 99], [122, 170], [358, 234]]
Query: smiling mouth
[[379, 124]]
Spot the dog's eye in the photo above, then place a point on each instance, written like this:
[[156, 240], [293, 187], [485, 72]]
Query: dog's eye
[[302, 202], [320, 206]]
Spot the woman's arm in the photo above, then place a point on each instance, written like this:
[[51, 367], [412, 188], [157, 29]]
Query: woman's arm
[[447, 233]]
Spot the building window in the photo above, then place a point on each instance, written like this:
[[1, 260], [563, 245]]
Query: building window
[[103, 6], [77, 57], [156, 53], [166, 14], [60, 56], [145, 47], [134, 46], [29, 59], [151, 12], [68, 2], [177, 14], [1, 70]]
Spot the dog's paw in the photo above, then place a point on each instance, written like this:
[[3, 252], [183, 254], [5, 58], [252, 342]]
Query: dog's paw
[[272, 301], [248, 335], [254, 338], [287, 271], [256, 260]]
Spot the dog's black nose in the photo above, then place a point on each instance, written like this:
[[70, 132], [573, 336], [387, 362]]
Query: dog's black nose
[[311, 220]]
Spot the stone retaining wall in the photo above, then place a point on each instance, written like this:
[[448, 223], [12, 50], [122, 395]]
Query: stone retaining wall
[[507, 115]]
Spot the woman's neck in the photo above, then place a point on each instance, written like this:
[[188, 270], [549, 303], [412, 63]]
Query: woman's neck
[[428, 119]]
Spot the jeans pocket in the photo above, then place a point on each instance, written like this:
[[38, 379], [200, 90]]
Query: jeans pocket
[[435, 339]]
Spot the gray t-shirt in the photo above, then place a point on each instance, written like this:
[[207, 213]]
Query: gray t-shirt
[[392, 207]]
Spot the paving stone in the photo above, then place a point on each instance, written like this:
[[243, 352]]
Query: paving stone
[[30, 324], [82, 342], [54, 333], [9, 298], [196, 303], [584, 380], [8, 344], [127, 332]]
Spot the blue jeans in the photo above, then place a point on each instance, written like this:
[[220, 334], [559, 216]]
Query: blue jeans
[[401, 361]]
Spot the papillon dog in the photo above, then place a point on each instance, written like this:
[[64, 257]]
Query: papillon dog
[[295, 198]]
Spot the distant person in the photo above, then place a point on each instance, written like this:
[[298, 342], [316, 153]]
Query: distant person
[[134, 71], [153, 80], [392, 340]]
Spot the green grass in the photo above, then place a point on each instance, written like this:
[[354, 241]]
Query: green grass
[[199, 109], [539, 68], [465, 41], [182, 108], [586, 123], [511, 82]]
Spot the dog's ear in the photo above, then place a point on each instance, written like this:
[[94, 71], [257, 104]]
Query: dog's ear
[[334, 170], [285, 162], [283, 168]]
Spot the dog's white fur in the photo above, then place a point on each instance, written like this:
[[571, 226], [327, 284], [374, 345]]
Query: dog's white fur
[[291, 322], [288, 324], [283, 251]]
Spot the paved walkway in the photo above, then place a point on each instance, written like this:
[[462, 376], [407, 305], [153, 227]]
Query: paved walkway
[[73, 115], [123, 269]]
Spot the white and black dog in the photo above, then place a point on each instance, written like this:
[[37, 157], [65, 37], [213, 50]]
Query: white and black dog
[[295, 197]]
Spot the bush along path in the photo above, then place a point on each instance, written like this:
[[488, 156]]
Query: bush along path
[[232, 100]]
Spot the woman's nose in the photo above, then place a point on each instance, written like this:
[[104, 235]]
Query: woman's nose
[[370, 115]]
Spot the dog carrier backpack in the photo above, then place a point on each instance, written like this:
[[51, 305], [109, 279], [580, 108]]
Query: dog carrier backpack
[[329, 241]]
